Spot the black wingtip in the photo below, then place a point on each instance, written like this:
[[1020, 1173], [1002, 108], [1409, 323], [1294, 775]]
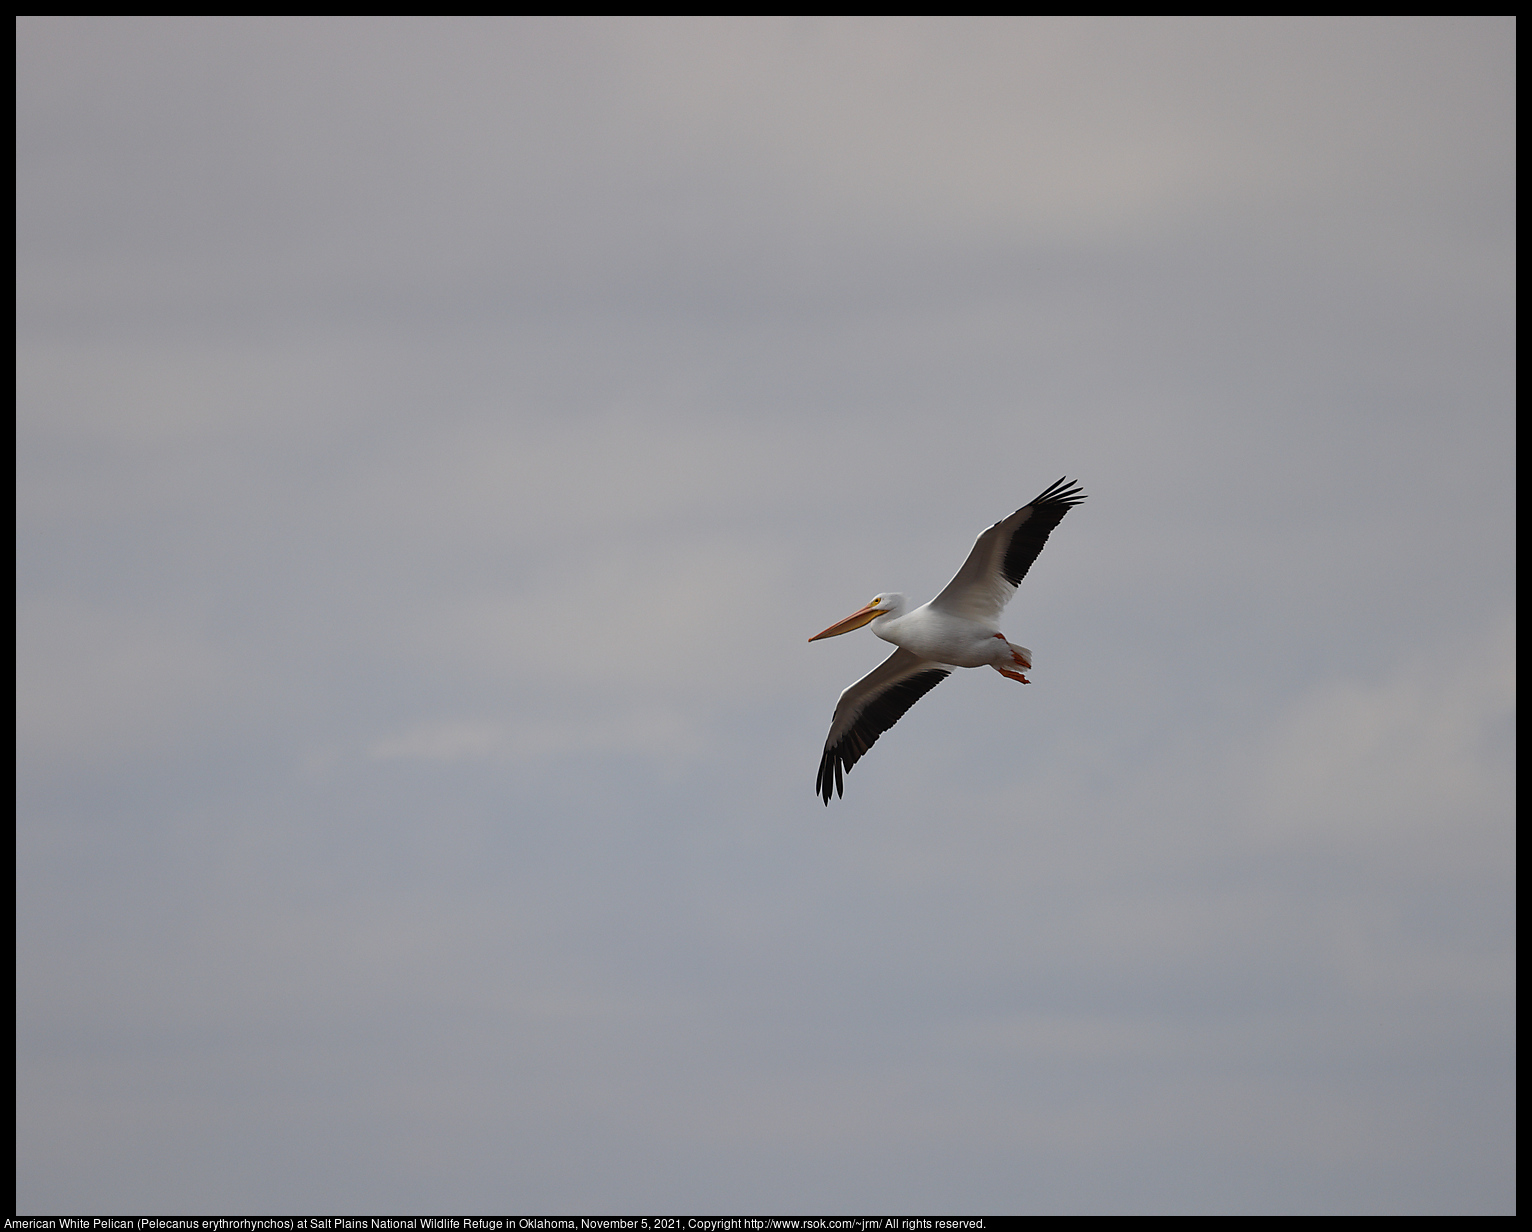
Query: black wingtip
[[826, 781], [831, 778], [1063, 491]]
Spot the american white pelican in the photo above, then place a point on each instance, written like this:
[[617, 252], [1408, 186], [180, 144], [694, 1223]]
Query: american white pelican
[[955, 629]]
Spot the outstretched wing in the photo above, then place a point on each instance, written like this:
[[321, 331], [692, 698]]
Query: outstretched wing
[[1002, 555], [869, 708]]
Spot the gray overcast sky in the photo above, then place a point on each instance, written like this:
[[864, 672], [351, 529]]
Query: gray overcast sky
[[438, 439]]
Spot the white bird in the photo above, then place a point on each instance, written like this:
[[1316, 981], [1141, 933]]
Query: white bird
[[956, 629]]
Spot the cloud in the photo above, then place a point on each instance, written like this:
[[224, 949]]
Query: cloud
[[1417, 757], [715, 155], [662, 735], [97, 686]]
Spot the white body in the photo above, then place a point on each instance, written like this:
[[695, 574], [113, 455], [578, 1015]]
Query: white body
[[947, 638]]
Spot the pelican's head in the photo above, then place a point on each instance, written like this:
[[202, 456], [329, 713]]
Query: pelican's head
[[881, 605]]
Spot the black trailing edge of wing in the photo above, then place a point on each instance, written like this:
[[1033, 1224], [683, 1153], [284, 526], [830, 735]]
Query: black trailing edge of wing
[[1027, 541], [876, 718]]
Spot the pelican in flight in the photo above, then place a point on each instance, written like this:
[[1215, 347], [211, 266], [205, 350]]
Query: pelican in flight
[[956, 629]]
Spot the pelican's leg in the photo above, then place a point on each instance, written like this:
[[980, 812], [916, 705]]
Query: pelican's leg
[[1020, 656]]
